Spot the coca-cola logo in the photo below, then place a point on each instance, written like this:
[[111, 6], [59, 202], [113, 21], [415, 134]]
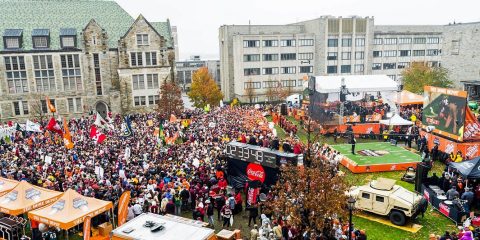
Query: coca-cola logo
[[444, 209], [472, 151], [255, 172]]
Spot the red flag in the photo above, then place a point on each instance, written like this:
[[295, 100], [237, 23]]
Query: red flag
[[96, 135], [123, 207], [54, 126], [86, 228]]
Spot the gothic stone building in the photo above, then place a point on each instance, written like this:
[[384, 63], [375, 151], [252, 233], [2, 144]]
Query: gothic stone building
[[85, 55]]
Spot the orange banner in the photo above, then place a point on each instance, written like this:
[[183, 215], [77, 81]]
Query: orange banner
[[458, 93], [365, 128], [86, 228], [369, 118], [468, 149], [471, 129], [123, 207], [67, 137], [50, 105]]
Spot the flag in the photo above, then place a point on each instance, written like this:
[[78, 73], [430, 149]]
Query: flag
[[100, 122], [126, 127], [123, 207], [206, 108], [96, 135], [234, 102], [87, 227], [54, 126], [67, 137], [8, 140], [173, 118], [32, 127], [149, 122], [221, 103], [20, 129], [50, 105]]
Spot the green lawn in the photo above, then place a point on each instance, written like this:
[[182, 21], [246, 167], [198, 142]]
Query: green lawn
[[392, 154]]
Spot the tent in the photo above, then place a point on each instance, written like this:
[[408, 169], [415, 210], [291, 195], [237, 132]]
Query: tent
[[70, 210], [354, 83], [407, 98], [6, 185], [468, 169], [396, 120], [25, 197]]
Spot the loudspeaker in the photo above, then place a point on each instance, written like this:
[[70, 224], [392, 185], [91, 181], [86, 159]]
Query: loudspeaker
[[283, 109], [421, 175]]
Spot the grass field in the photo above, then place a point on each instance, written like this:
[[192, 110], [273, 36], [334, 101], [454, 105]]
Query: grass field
[[391, 154]]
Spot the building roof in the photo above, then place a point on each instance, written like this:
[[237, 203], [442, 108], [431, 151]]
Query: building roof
[[75, 14]]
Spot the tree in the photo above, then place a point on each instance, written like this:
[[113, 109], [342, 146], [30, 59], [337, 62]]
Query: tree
[[271, 92], [284, 91], [249, 91], [204, 90], [36, 106], [170, 93], [419, 74]]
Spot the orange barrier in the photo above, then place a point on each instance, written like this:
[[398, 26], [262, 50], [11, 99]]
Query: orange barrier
[[364, 128], [468, 149], [384, 167], [356, 119]]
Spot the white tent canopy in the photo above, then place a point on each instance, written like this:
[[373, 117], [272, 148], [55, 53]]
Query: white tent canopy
[[396, 120], [355, 83]]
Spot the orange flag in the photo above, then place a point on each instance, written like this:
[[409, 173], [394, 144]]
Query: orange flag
[[86, 228], [123, 207], [173, 118], [50, 105], [67, 137]]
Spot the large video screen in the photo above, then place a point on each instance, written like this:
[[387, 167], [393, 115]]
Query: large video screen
[[444, 109]]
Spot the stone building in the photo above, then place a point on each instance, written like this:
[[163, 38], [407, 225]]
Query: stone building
[[85, 55]]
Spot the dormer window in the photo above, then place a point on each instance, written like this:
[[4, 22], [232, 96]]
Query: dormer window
[[68, 37], [41, 38], [12, 38], [142, 39]]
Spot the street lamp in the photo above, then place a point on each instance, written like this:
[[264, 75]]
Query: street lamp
[[351, 207]]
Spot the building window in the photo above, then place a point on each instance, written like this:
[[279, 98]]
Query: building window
[[270, 57], [390, 41], [16, 74], [270, 84], [404, 40], [44, 107], [287, 43], [12, 42], [68, 41], [20, 108], [71, 74], [359, 55], [359, 68], [433, 52], [419, 40], [270, 71], [288, 70], [433, 40], [332, 55], [305, 42], [138, 82], [331, 69], [153, 100], [44, 74], [40, 42], [251, 71], [251, 43], [142, 39], [74, 105], [393, 77], [377, 41], [270, 43], [252, 85], [306, 69], [360, 42], [136, 59], [433, 63], [346, 69], [455, 47], [404, 53], [390, 53], [389, 66], [346, 55], [98, 74], [289, 83], [346, 42], [305, 56], [377, 54], [288, 56], [417, 53], [402, 65], [140, 101], [151, 58], [332, 42], [251, 57], [152, 81], [377, 66]]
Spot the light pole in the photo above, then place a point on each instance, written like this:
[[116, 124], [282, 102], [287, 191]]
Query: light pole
[[351, 206]]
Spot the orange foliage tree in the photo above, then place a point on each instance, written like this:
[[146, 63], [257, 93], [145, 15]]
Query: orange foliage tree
[[204, 90]]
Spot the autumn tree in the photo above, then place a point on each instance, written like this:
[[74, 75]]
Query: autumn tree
[[170, 93], [204, 90], [419, 74], [284, 90], [249, 91], [36, 106]]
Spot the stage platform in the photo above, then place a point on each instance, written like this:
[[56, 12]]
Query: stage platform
[[376, 157]]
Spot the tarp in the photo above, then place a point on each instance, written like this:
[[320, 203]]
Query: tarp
[[25, 197], [354, 83], [407, 98], [468, 169], [396, 120], [70, 210], [6, 185]]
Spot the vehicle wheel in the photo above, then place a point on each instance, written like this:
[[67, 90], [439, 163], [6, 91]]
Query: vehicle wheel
[[397, 218]]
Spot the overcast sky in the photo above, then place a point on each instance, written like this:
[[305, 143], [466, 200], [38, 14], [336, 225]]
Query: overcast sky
[[198, 21]]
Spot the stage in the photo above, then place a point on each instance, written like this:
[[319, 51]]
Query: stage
[[376, 157]]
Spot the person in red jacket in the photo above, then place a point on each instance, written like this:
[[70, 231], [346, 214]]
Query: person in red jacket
[[297, 149], [222, 184]]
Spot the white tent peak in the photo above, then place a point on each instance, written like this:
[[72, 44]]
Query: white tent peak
[[396, 120]]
